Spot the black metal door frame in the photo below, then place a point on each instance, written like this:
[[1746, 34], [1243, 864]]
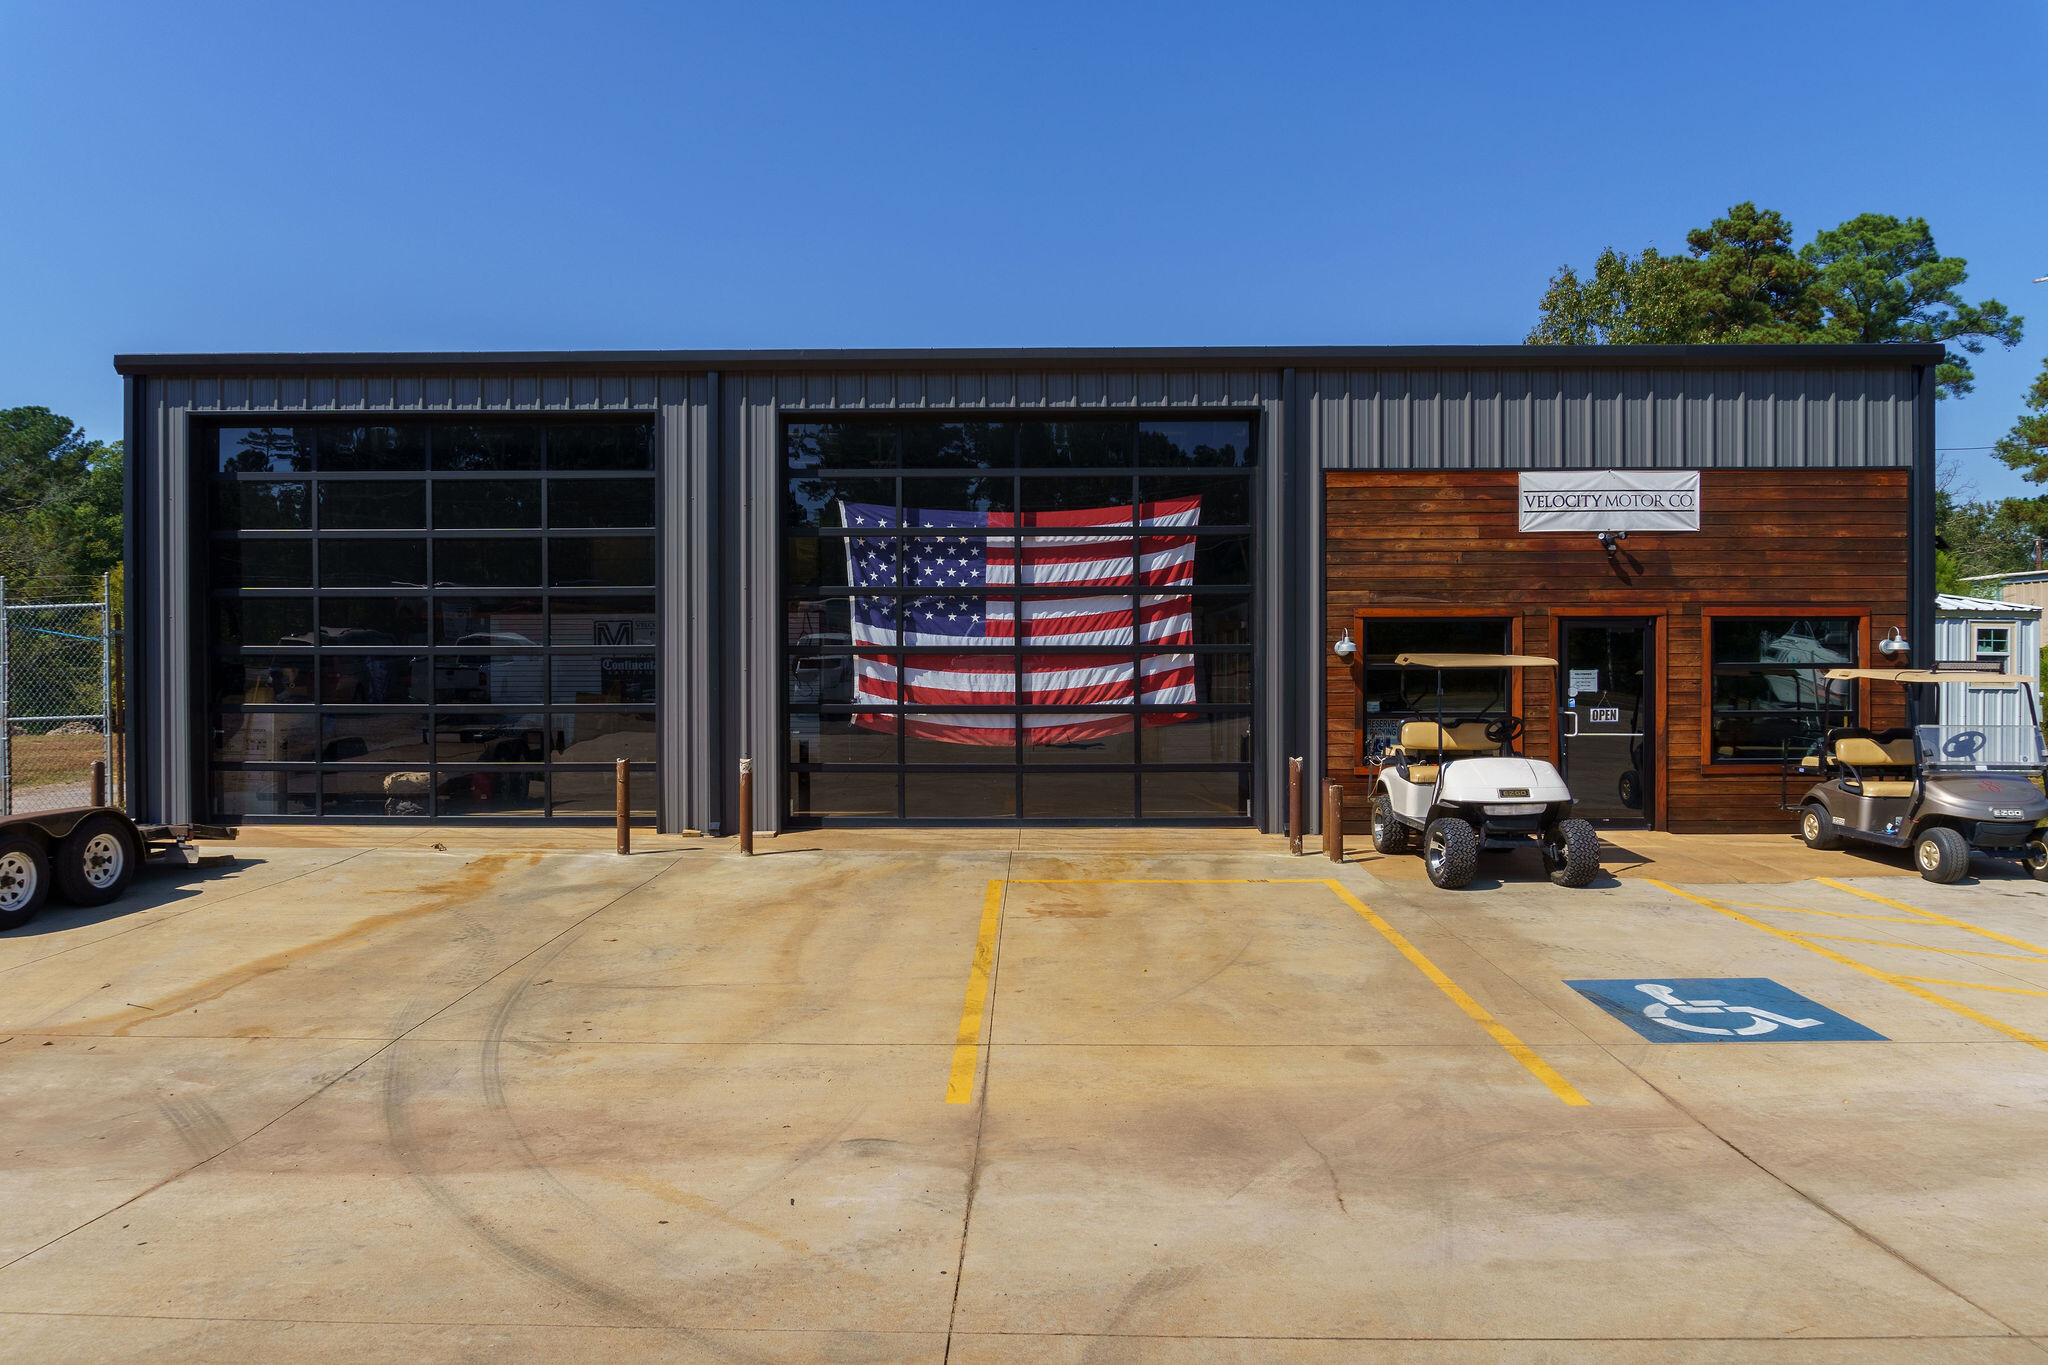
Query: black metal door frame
[[1645, 758]]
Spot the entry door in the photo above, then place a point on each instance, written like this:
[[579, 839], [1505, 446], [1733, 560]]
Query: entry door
[[1608, 714]]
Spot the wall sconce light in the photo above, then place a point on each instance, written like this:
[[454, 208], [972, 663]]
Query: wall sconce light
[[1893, 644], [1610, 539], [1345, 646]]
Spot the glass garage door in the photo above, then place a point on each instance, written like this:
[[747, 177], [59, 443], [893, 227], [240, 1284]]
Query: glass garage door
[[1037, 621], [428, 620]]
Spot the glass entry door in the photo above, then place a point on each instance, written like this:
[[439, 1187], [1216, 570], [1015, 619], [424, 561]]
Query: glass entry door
[[1607, 717]]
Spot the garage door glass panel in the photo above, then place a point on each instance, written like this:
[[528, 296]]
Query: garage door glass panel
[[374, 737], [485, 446], [373, 621], [263, 564], [266, 505], [260, 621], [387, 563], [421, 691], [486, 504], [1210, 445]]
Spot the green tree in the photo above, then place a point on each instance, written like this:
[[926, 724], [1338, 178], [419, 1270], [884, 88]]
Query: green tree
[[1879, 278], [1874, 278], [60, 500], [2025, 447]]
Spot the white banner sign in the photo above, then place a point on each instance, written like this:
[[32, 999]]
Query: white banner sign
[[1610, 500]]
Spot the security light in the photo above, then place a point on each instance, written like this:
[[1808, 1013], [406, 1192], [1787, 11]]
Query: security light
[[1610, 539]]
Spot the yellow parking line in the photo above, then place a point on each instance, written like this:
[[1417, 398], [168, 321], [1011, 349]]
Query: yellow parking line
[[966, 1045], [1514, 1046], [1832, 914], [1890, 979], [1973, 985], [1917, 947], [1934, 915]]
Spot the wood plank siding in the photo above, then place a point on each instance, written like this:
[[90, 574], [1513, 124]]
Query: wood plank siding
[[1780, 542]]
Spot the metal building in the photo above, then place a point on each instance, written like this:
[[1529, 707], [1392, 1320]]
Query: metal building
[[1092, 585]]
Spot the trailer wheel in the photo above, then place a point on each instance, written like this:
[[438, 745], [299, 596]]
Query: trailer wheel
[[24, 880], [1942, 854], [1388, 834], [1817, 828], [1450, 851], [2037, 860], [96, 861], [1571, 850]]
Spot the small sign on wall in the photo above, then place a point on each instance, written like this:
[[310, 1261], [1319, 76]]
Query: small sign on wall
[[1609, 500]]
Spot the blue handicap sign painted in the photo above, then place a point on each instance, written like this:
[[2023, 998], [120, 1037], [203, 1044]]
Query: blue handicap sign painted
[[1730, 1009]]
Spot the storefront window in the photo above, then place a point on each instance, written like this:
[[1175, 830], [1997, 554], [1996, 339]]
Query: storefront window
[[1391, 694], [419, 620], [1771, 700], [1037, 620]]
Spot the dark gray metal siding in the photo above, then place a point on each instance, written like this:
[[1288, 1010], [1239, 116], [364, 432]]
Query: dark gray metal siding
[[1522, 418]]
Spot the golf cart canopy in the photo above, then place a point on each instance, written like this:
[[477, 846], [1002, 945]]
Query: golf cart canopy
[[1929, 675], [1473, 661]]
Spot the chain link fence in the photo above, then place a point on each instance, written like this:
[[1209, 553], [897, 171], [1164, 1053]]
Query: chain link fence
[[60, 670]]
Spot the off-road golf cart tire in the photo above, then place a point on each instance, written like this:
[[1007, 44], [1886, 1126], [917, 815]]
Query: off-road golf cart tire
[[1817, 827], [2037, 860], [1572, 852], [24, 880], [1388, 834], [1450, 853], [95, 863], [1942, 854]]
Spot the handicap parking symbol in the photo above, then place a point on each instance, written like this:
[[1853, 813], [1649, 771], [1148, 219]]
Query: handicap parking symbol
[[1738, 1009]]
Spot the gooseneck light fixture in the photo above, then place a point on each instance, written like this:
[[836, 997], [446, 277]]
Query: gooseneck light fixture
[[1345, 646], [1893, 644]]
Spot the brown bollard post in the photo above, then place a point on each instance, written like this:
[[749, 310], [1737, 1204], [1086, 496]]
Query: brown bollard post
[[1333, 821], [625, 807], [1294, 806], [99, 782], [747, 806]]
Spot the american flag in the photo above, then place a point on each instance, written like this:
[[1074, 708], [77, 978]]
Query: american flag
[[966, 555]]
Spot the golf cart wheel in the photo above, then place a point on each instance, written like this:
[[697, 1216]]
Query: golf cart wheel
[[1817, 828], [1630, 790], [96, 861], [1388, 834], [1450, 851], [2037, 860], [1571, 850], [1941, 854], [24, 880]]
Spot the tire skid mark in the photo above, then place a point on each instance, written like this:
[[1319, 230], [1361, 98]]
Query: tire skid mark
[[467, 885]]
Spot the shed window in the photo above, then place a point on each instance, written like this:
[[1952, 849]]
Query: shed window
[[1991, 642], [1771, 700]]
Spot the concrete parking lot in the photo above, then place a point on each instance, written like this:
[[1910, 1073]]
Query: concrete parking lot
[[1013, 1097]]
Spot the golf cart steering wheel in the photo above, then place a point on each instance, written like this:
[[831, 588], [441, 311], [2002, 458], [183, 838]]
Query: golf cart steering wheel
[[1506, 730], [1963, 744]]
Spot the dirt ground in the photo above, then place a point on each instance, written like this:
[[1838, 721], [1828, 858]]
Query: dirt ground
[[1043, 1097]]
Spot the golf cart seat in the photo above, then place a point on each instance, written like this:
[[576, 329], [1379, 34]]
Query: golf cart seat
[[1423, 740], [1880, 765]]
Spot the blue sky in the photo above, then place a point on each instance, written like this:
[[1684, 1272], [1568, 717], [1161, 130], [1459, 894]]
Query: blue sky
[[201, 177]]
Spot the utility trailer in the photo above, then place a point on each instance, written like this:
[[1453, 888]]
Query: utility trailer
[[86, 855]]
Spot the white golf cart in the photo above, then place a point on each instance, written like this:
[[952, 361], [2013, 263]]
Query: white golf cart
[[1458, 783]]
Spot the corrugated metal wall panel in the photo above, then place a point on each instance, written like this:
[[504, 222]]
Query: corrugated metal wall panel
[[1615, 419], [692, 755], [228, 394]]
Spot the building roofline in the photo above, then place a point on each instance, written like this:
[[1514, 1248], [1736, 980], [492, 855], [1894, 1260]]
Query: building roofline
[[1881, 355]]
